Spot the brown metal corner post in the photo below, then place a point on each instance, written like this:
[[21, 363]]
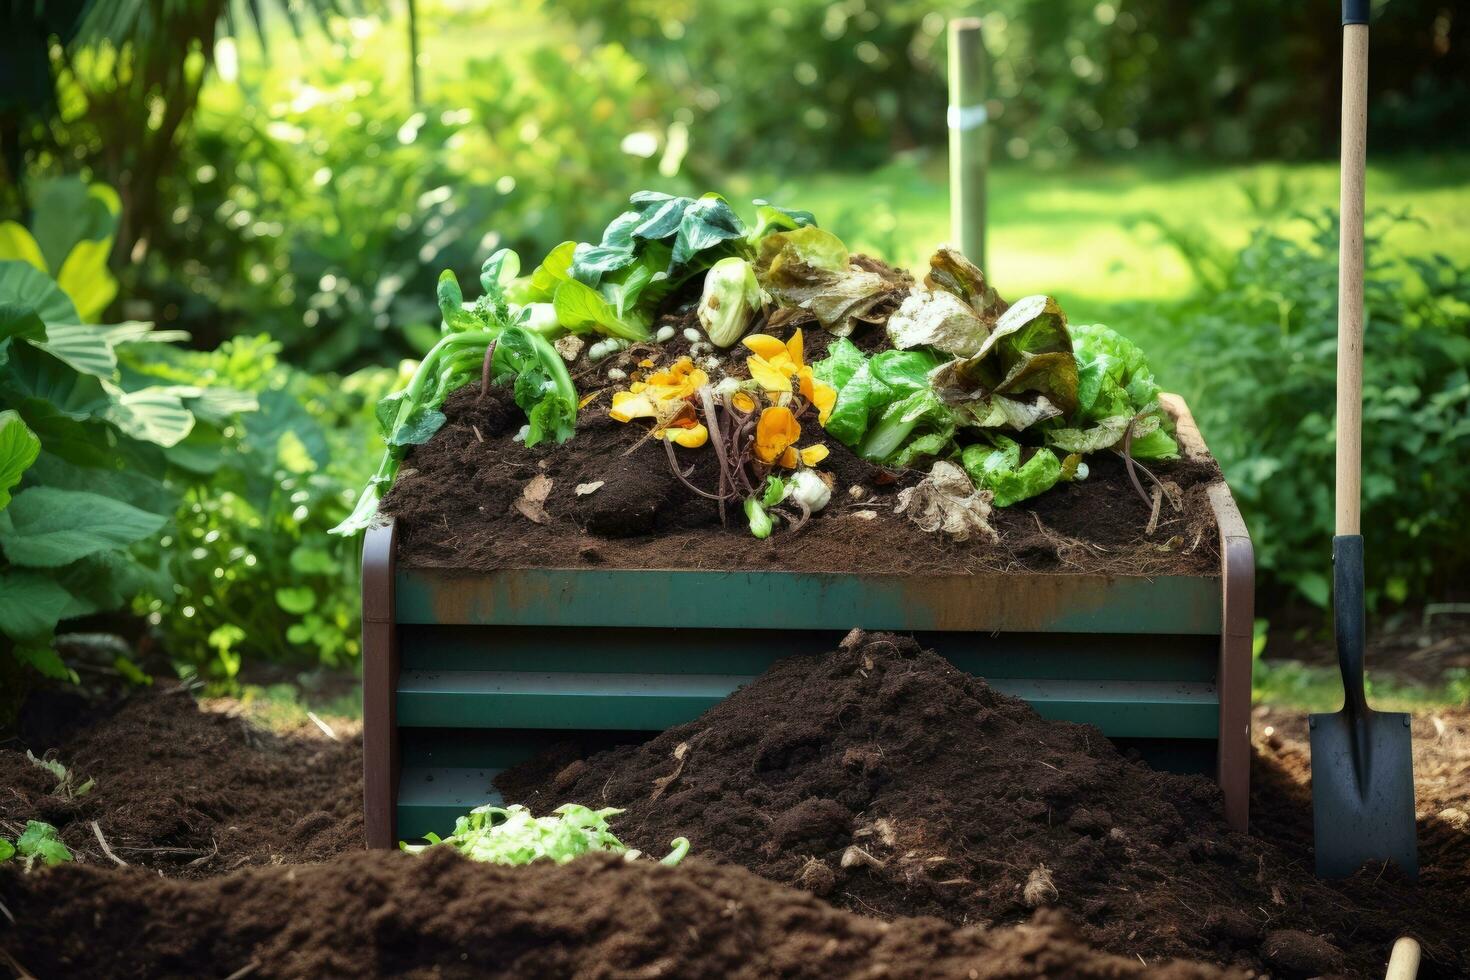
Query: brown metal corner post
[[379, 686], [1237, 630]]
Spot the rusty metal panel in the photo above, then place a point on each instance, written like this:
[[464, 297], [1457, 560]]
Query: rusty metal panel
[[1030, 602]]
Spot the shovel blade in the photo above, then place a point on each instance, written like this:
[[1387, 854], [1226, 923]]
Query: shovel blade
[[1363, 792]]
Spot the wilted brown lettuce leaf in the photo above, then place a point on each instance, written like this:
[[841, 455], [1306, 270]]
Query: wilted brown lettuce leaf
[[947, 501], [952, 272], [809, 269], [1024, 371], [933, 318]]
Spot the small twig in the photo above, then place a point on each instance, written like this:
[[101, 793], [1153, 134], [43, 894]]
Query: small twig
[[674, 464], [326, 729], [244, 971], [21, 973], [177, 851], [479, 437], [207, 857], [1128, 458], [711, 419], [105, 849], [6, 912], [485, 370]]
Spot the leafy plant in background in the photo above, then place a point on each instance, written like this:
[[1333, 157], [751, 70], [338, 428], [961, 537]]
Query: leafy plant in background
[[252, 573], [1261, 367], [85, 467], [324, 208]]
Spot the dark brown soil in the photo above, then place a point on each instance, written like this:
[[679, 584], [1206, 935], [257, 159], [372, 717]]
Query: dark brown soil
[[193, 791], [890, 783], [394, 915], [454, 500]]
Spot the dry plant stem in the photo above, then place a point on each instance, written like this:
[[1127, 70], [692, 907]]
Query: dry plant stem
[[1128, 459], [711, 419], [485, 370], [683, 477], [21, 973], [105, 849]]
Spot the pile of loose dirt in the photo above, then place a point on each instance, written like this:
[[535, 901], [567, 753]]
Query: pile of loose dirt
[[389, 914], [890, 783], [194, 792], [455, 502]]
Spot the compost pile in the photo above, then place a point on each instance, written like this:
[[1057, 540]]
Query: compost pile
[[439, 915], [695, 391], [890, 783]]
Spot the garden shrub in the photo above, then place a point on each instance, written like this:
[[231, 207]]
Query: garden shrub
[[320, 212], [251, 571], [1260, 364]]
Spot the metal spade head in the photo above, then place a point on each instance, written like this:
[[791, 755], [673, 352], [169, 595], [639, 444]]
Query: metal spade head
[[1362, 764]]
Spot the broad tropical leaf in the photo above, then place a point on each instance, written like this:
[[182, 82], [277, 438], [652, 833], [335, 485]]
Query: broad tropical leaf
[[46, 528]]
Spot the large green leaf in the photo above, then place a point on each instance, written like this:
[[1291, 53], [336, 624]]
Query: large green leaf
[[31, 603], [155, 415], [84, 277], [20, 321], [84, 348], [23, 284], [68, 213], [32, 373], [45, 527], [19, 448], [119, 479]]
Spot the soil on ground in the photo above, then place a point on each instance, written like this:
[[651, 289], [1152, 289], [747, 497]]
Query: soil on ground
[[904, 759], [455, 500], [439, 915], [890, 783], [193, 790]]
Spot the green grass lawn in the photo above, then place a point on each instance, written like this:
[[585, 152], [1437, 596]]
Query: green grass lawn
[[1082, 234], [1087, 234]]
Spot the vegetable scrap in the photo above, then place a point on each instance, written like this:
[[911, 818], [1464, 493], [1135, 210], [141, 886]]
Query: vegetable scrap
[[512, 836], [966, 400]]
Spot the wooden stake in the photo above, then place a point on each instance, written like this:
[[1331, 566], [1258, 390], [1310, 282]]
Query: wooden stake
[[969, 137], [1350, 279]]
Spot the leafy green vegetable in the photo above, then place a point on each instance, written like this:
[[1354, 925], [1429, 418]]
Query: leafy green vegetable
[[1115, 386], [543, 388], [919, 413], [759, 520], [511, 835], [883, 401], [998, 468], [769, 218], [810, 268]]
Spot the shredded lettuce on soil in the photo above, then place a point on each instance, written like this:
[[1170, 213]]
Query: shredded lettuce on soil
[[511, 835]]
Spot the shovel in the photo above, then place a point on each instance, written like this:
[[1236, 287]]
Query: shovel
[[1362, 767]]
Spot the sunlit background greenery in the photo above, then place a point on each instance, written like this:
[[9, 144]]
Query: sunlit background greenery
[[292, 180]]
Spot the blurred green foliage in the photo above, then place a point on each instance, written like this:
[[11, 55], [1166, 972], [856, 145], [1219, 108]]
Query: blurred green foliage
[[320, 212], [1261, 361], [250, 569], [845, 82]]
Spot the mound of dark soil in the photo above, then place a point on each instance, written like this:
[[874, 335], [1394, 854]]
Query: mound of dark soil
[[455, 497], [887, 781], [193, 791], [395, 915]]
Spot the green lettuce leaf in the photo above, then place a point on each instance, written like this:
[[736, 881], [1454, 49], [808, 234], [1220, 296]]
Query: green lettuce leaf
[[998, 468]]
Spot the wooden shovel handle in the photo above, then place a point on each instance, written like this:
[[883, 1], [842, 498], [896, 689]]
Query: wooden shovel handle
[[1350, 268]]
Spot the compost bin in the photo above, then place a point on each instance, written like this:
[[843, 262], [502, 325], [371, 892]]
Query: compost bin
[[467, 673]]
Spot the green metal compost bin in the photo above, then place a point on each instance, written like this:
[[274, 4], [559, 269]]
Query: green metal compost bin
[[465, 674]]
